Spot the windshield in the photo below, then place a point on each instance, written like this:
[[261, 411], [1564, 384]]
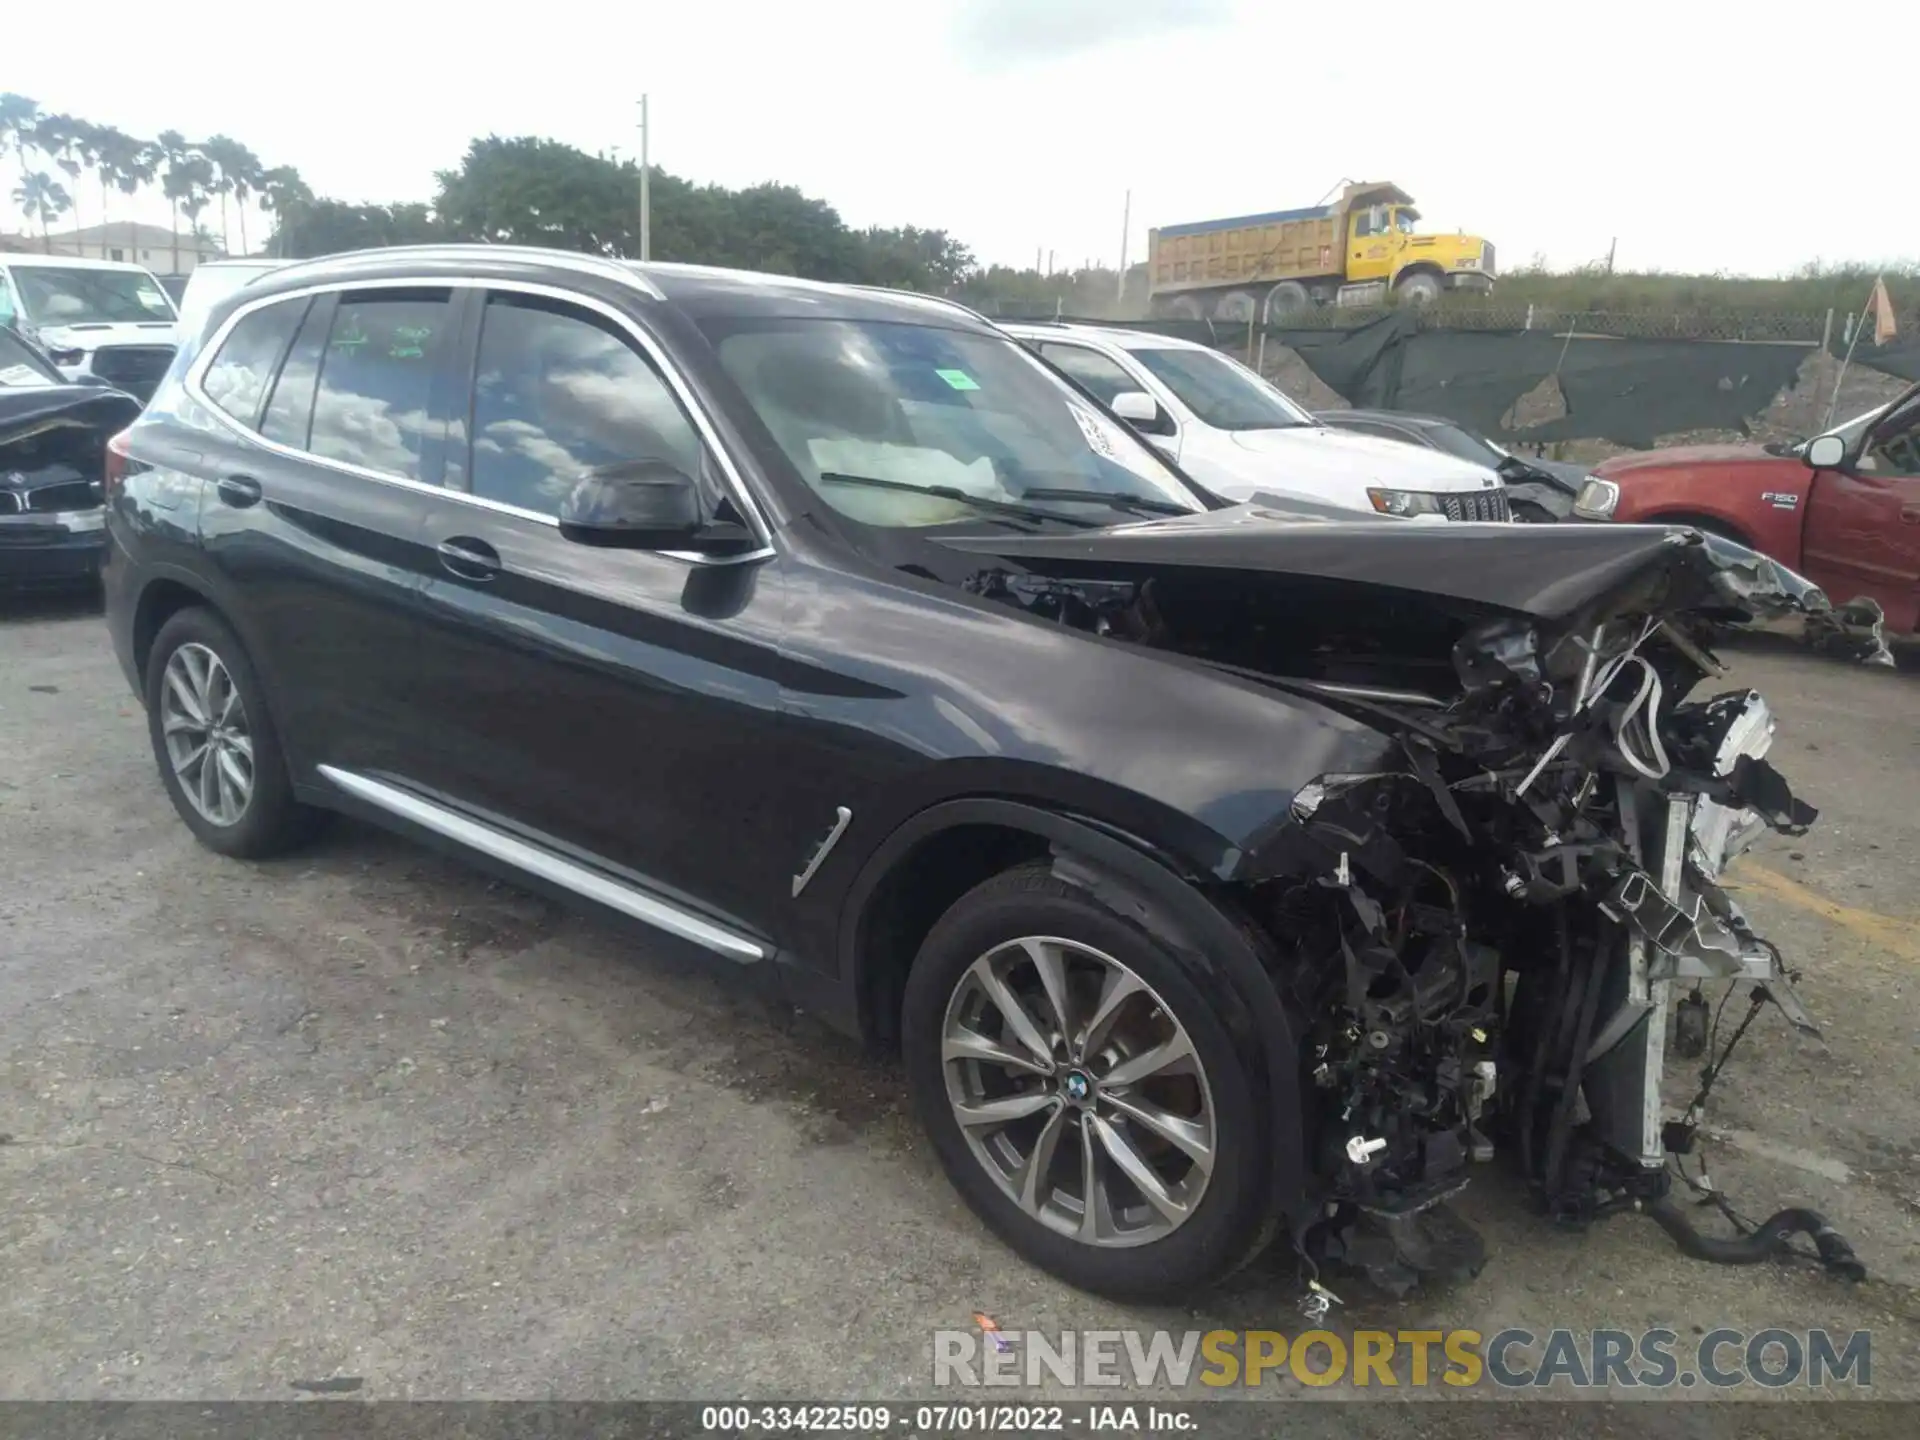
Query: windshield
[[1223, 394], [899, 424], [1468, 446], [55, 295]]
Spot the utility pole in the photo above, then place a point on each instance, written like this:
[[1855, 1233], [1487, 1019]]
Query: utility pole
[[1612, 245], [646, 205], [1126, 223]]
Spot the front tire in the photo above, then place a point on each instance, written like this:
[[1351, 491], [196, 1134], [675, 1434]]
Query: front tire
[[215, 743], [1083, 1095], [1422, 288]]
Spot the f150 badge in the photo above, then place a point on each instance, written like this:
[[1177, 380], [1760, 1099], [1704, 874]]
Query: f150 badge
[[1779, 499]]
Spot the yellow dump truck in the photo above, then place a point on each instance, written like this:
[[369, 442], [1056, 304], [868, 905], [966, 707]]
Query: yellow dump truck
[[1356, 251]]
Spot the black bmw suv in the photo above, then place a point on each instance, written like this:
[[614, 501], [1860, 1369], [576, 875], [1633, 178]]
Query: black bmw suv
[[826, 632]]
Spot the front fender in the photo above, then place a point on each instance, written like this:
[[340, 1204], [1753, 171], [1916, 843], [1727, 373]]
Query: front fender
[[1225, 957]]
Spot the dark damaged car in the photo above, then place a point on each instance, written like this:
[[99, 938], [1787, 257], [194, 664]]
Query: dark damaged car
[[1224, 874], [53, 448]]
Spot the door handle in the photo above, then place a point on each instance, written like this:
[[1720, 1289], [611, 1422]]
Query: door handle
[[468, 558], [239, 491], [1910, 514]]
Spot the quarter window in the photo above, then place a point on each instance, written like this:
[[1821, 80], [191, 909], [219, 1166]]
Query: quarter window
[[242, 372], [289, 412], [557, 392], [376, 380]]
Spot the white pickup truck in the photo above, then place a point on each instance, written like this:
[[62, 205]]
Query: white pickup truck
[[1240, 436], [101, 318]]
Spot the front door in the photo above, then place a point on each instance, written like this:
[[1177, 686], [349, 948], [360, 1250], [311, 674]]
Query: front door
[[617, 706], [1863, 524], [1369, 245]]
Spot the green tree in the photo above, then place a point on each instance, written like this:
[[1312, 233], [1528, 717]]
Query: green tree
[[528, 191], [41, 197]]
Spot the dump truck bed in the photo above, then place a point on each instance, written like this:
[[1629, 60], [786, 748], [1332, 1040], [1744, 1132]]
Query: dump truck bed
[[1247, 249]]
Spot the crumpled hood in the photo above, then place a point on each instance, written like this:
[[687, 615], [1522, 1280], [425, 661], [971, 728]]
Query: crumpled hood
[[31, 411], [1319, 453], [1544, 571]]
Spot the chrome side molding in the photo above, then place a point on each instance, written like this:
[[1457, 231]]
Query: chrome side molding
[[511, 850], [841, 816]]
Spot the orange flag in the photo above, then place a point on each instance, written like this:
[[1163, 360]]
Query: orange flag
[[1882, 308]]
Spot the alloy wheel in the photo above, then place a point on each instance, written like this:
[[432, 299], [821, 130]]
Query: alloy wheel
[[1079, 1091], [208, 741]]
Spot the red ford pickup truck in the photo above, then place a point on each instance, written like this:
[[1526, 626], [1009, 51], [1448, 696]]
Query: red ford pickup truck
[[1842, 509]]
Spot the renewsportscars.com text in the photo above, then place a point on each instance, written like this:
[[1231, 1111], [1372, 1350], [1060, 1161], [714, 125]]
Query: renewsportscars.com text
[[1510, 1359]]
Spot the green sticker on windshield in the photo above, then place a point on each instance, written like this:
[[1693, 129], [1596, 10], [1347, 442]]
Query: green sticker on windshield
[[958, 379]]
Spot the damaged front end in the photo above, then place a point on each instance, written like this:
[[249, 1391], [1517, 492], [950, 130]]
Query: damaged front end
[[1479, 938]]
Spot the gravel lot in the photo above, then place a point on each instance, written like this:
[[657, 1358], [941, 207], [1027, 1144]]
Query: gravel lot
[[365, 1114]]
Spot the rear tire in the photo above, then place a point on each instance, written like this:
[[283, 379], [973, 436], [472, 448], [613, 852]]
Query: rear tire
[[215, 743], [1237, 307], [1289, 297], [1187, 1108]]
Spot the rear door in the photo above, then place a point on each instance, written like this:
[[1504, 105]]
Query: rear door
[[1863, 525], [614, 706], [333, 429]]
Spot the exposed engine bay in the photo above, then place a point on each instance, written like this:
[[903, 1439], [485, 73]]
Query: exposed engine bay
[[1479, 941]]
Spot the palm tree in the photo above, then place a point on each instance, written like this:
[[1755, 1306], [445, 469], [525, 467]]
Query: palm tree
[[169, 149], [41, 197], [238, 173], [19, 118], [246, 176], [58, 137], [196, 190], [115, 153], [138, 162], [282, 193]]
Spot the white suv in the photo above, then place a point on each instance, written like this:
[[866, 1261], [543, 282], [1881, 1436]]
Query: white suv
[[102, 318], [1240, 436]]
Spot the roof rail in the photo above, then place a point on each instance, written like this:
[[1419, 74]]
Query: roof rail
[[458, 250]]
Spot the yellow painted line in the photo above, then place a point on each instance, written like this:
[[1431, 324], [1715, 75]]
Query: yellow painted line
[[1898, 937]]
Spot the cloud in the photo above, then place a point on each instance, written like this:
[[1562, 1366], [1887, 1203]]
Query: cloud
[[994, 35]]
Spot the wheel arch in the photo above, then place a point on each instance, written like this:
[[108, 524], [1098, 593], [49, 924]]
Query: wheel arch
[[160, 600], [890, 907], [1418, 267]]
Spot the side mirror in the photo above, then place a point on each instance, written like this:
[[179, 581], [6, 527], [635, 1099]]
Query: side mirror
[[1826, 452], [1141, 411], [645, 505]]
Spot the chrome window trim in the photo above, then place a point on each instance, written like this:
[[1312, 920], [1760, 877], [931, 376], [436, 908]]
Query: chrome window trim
[[656, 355], [535, 860]]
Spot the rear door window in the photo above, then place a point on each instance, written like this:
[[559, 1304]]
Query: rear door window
[[373, 405], [242, 371], [289, 413]]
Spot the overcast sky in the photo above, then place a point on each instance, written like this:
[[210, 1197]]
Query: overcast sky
[[1702, 143]]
